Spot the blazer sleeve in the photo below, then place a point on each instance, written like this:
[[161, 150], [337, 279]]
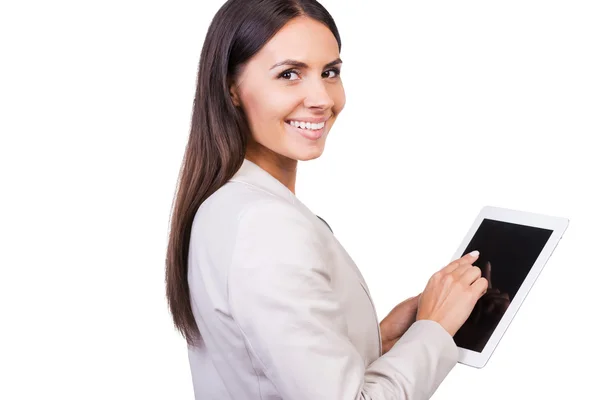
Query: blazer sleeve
[[280, 294]]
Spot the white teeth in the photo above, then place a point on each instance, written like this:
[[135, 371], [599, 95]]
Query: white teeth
[[307, 125]]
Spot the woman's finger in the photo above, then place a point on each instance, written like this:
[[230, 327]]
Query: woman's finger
[[470, 275], [464, 260]]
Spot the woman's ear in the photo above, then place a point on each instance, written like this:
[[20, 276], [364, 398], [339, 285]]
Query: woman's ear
[[233, 92]]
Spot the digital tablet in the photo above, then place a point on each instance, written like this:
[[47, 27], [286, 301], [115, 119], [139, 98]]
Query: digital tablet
[[514, 246]]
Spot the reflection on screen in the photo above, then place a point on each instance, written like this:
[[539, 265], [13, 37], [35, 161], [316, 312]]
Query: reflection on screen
[[507, 253]]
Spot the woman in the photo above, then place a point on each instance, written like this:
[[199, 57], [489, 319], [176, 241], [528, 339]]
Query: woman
[[269, 302]]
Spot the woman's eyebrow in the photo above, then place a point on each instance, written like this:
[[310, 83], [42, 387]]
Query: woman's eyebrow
[[334, 62], [300, 64]]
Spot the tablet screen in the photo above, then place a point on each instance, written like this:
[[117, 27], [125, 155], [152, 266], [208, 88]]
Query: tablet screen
[[507, 253]]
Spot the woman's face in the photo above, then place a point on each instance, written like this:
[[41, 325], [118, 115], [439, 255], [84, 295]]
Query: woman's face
[[291, 91]]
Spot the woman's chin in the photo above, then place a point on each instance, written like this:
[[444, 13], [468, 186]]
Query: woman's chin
[[309, 153]]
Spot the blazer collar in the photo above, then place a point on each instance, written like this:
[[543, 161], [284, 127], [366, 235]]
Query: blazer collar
[[254, 175], [251, 174]]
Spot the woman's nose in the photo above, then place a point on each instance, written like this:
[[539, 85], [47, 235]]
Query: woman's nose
[[317, 95]]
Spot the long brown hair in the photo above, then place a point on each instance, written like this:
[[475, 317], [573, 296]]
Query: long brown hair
[[219, 131]]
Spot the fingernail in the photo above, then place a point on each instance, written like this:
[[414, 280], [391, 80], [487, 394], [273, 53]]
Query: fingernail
[[474, 253]]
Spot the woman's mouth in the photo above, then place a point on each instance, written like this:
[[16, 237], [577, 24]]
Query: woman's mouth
[[309, 130]]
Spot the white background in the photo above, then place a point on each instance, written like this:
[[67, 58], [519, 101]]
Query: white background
[[450, 106]]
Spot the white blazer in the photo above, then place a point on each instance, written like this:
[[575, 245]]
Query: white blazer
[[284, 312]]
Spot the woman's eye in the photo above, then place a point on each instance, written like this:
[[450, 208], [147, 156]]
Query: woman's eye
[[332, 73], [289, 75]]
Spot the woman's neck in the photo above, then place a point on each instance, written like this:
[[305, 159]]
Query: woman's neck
[[280, 167]]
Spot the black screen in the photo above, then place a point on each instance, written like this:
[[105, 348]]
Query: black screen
[[507, 253]]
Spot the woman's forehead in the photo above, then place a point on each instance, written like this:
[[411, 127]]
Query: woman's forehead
[[301, 39]]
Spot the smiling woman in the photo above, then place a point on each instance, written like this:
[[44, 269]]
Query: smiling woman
[[269, 302]]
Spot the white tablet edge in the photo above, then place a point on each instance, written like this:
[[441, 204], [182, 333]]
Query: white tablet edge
[[557, 224]]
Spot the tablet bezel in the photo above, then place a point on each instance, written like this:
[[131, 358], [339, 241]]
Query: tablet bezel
[[557, 224]]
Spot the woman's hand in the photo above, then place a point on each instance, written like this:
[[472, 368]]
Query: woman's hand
[[397, 322], [451, 293]]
